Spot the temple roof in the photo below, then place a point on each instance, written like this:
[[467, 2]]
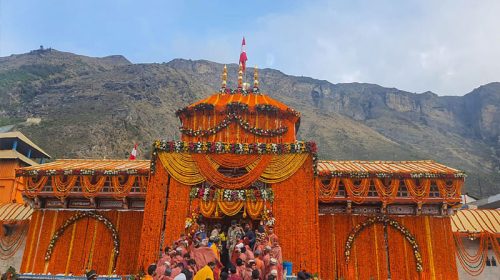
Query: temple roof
[[476, 221], [412, 169], [220, 102], [14, 212], [88, 167]]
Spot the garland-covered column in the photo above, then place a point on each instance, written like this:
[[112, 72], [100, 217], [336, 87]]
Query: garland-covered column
[[297, 221], [154, 208]]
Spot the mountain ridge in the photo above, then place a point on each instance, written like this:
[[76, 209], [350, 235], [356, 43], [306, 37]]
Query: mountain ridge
[[97, 107]]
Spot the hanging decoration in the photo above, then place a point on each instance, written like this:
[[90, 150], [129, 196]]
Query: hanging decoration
[[78, 216], [85, 172], [385, 220], [208, 192], [9, 244], [233, 117], [193, 169], [387, 189], [91, 185], [475, 263], [394, 175], [297, 147]]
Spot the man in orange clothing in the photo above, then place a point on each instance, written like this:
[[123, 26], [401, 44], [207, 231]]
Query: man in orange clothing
[[259, 263]]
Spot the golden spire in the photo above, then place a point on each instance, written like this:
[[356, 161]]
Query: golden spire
[[256, 77], [240, 77], [224, 77]]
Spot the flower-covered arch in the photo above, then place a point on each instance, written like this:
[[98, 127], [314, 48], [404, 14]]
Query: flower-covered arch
[[383, 219], [75, 218]]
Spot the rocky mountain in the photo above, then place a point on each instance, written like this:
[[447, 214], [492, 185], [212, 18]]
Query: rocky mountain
[[98, 107]]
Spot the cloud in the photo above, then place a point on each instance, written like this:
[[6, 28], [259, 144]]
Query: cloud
[[449, 47]]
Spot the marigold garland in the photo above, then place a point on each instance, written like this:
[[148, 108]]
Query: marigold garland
[[79, 216], [208, 171], [475, 263], [387, 192], [328, 191], [208, 192], [357, 192], [230, 118], [34, 187], [296, 147], [62, 185], [193, 169], [233, 161], [254, 209], [383, 219], [9, 244]]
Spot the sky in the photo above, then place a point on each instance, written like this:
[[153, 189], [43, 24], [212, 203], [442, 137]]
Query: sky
[[447, 47]]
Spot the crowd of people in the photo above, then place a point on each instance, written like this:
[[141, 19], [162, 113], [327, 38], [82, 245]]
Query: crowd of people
[[234, 253]]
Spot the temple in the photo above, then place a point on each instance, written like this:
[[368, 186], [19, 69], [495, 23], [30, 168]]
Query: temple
[[239, 158]]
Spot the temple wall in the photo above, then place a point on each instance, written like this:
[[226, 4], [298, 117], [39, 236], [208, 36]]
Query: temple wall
[[489, 272], [369, 258], [8, 190], [297, 223], [85, 244], [295, 209]]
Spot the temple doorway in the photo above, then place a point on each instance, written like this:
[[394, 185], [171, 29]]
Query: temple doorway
[[225, 222]]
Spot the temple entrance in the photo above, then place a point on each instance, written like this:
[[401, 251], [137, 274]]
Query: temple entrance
[[225, 222]]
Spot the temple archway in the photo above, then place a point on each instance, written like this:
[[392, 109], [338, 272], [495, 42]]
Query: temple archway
[[386, 221], [75, 218]]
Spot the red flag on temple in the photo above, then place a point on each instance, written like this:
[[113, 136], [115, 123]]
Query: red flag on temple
[[133, 154], [243, 55]]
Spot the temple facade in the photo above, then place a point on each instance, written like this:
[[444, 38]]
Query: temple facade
[[239, 158]]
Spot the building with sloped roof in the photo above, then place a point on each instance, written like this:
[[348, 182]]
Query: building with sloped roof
[[16, 151], [239, 159]]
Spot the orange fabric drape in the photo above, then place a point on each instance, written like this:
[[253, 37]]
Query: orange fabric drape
[[297, 218], [214, 176], [86, 243]]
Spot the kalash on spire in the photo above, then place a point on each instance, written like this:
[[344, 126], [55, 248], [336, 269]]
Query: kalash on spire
[[239, 115]]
